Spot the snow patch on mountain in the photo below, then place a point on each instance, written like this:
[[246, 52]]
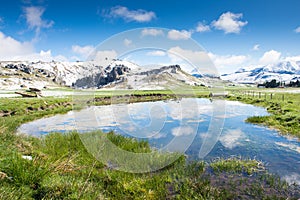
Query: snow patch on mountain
[[119, 74], [64, 72], [283, 71]]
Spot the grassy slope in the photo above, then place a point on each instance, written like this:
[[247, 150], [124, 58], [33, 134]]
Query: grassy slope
[[62, 168]]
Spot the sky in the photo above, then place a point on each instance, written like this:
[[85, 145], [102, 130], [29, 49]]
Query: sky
[[233, 33]]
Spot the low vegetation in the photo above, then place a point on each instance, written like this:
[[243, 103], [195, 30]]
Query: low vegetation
[[277, 84], [61, 168], [58, 166], [283, 107]]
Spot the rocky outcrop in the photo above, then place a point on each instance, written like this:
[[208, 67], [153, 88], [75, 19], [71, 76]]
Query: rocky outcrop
[[109, 75], [174, 69], [30, 70], [121, 76], [89, 74]]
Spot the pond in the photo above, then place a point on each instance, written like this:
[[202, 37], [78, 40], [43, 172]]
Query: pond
[[200, 128]]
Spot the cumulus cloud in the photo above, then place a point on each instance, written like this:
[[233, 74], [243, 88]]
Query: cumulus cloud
[[256, 47], [229, 23], [152, 32], [297, 30], [201, 27], [131, 15], [83, 51], [187, 54], [293, 58], [34, 19], [127, 42], [156, 53], [45, 56], [179, 35], [14, 50], [226, 63], [104, 58], [270, 57], [189, 60], [9, 47]]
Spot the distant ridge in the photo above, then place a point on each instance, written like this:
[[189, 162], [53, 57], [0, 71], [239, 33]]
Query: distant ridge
[[283, 71]]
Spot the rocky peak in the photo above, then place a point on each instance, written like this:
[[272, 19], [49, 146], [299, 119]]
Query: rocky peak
[[174, 69], [109, 75]]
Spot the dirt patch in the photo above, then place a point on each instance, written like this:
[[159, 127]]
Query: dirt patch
[[3, 176], [5, 113], [131, 98]]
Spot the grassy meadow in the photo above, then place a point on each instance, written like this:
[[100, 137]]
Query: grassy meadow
[[61, 167], [283, 108]]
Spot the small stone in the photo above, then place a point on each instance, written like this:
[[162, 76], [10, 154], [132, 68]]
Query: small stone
[[27, 157]]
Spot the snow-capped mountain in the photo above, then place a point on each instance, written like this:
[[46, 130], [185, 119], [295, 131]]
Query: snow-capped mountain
[[283, 71], [119, 74], [17, 73], [197, 73], [130, 65]]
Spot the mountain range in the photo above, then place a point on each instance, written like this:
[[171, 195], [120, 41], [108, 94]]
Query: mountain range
[[119, 74], [283, 71]]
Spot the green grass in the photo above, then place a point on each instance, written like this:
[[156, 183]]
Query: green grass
[[21, 110], [283, 107], [62, 167], [235, 165]]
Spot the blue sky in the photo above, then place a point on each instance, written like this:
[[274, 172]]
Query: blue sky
[[234, 33]]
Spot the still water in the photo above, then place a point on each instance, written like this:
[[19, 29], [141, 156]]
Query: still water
[[197, 127]]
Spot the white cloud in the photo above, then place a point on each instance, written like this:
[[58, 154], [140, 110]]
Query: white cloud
[[297, 30], [201, 27], [45, 56], [293, 58], [270, 57], [34, 19], [9, 47], [104, 58], [187, 54], [232, 138], [156, 53], [227, 63], [127, 42], [230, 23], [131, 15], [13, 50], [83, 51], [183, 131], [189, 60], [256, 47], [152, 32], [179, 35]]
